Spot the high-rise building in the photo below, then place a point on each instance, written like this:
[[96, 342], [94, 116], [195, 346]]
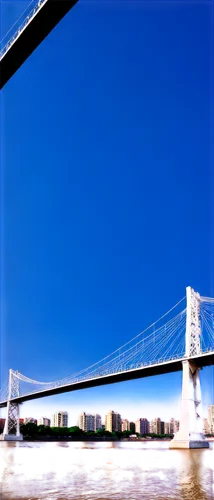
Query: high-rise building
[[173, 426], [176, 427], [97, 422], [125, 425], [155, 426], [59, 419], [132, 427], [45, 421], [205, 426], [166, 427], [82, 421], [137, 426], [88, 422], [113, 422], [30, 420], [142, 426], [211, 419]]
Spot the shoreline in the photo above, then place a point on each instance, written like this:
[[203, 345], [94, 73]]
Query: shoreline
[[99, 440]]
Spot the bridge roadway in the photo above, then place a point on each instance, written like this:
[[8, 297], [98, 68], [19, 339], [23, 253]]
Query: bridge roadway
[[174, 365], [32, 35]]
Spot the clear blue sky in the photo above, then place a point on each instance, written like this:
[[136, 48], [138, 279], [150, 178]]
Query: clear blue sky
[[107, 193]]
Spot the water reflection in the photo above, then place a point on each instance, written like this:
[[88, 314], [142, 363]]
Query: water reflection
[[105, 471]]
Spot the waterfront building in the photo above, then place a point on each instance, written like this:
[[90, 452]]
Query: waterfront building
[[86, 422], [113, 422], [132, 427], [142, 426], [155, 426], [125, 425], [90, 422], [59, 419], [211, 419], [166, 427], [82, 421], [177, 426], [205, 426], [173, 426], [30, 420], [44, 421], [97, 422]]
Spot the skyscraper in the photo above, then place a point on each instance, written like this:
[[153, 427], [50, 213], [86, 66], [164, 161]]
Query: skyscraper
[[59, 419], [89, 422], [97, 422], [125, 425], [142, 426], [166, 428], [205, 426], [155, 426], [132, 427], [113, 421], [176, 426], [83, 421], [173, 426]]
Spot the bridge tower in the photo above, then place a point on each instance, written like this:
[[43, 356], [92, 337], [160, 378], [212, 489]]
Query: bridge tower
[[11, 428], [190, 434]]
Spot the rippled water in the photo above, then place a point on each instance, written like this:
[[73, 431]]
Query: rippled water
[[105, 471]]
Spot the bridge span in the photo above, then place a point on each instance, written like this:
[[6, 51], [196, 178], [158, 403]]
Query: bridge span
[[36, 26], [183, 342], [173, 365]]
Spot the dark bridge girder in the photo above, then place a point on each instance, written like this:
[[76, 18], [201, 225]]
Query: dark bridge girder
[[174, 365], [32, 35]]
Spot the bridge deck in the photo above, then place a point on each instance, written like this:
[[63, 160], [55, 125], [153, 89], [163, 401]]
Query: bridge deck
[[147, 371], [32, 35]]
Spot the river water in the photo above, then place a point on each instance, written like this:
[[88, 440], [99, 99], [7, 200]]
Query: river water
[[105, 471]]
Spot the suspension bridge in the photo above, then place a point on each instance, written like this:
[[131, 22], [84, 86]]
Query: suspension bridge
[[182, 339], [34, 24]]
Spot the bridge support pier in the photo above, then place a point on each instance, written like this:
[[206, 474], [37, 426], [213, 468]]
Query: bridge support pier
[[11, 428], [190, 434]]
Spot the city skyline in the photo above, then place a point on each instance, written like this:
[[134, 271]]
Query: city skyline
[[114, 421], [73, 416], [73, 412]]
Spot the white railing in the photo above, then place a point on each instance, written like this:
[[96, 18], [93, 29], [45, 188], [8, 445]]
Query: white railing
[[28, 18], [117, 370]]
